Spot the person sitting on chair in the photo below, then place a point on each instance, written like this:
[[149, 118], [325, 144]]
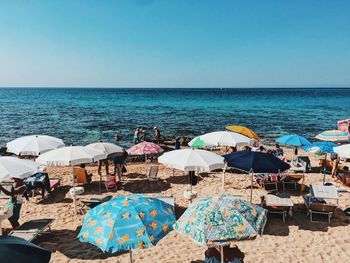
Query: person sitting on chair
[[231, 254], [88, 176]]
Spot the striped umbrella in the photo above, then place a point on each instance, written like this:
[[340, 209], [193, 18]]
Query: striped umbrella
[[145, 148], [333, 136]]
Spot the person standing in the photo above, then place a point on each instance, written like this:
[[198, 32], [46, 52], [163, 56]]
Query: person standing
[[143, 136], [136, 136], [177, 145], [16, 194], [156, 134]]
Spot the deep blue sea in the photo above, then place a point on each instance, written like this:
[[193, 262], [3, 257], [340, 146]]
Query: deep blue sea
[[82, 116]]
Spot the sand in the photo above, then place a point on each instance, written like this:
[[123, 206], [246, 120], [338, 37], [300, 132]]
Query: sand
[[297, 240]]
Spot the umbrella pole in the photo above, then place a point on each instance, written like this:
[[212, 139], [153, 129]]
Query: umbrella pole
[[130, 254], [223, 178], [74, 197], [222, 254], [251, 187], [324, 168]]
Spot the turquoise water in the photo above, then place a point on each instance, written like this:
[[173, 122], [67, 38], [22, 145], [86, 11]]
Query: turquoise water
[[81, 116]]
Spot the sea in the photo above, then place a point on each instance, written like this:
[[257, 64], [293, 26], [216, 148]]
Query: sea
[[81, 116]]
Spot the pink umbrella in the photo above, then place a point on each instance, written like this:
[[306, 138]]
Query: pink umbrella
[[145, 148]]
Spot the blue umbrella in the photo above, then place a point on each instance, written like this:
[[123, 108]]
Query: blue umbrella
[[321, 148], [293, 140], [255, 162], [17, 250], [127, 222]]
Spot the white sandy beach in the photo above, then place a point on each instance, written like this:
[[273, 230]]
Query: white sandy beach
[[297, 240]]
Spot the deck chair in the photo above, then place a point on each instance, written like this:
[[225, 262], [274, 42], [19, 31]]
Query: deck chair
[[31, 229], [278, 204], [291, 179], [93, 202], [81, 176], [153, 173], [318, 206], [111, 182]]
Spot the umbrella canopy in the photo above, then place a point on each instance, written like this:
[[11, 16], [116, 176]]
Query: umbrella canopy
[[192, 160], [320, 147], [221, 220], [127, 222], [33, 145], [17, 250], [244, 131], [145, 148], [224, 138], [343, 151], [197, 142], [70, 156], [333, 136], [257, 162], [13, 167], [293, 140], [110, 149]]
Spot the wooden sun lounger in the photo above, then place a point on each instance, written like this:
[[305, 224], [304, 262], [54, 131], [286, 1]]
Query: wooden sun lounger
[[153, 173], [278, 205], [31, 229]]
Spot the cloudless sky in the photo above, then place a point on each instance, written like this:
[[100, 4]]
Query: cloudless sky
[[175, 43]]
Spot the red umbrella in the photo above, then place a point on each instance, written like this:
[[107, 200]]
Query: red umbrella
[[145, 148]]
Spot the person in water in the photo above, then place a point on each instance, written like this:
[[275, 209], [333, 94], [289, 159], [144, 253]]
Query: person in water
[[177, 145]]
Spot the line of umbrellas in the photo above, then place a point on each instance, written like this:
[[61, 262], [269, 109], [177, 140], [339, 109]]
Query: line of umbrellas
[[126, 223]]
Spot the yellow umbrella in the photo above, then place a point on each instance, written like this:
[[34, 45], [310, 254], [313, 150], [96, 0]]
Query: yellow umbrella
[[243, 130]]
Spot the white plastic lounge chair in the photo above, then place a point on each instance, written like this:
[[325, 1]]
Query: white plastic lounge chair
[[31, 229], [278, 205]]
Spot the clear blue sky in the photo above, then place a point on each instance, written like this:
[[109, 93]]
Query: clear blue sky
[[175, 43]]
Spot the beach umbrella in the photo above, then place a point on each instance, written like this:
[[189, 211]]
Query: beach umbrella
[[110, 149], [197, 142], [18, 250], [321, 148], [343, 151], [145, 148], [127, 223], [220, 220], [255, 162], [13, 167], [333, 136], [293, 140], [71, 156], [244, 131], [224, 138], [192, 160], [33, 145]]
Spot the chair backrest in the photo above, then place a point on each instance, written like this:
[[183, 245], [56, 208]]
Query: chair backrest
[[80, 175], [153, 172]]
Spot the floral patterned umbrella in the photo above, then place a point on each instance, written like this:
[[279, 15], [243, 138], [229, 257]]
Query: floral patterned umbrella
[[145, 148], [221, 220], [127, 222]]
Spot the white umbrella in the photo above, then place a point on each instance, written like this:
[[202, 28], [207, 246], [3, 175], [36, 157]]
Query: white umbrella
[[343, 151], [224, 138], [13, 167], [192, 160], [33, 145], [70, 156], [110, 149]]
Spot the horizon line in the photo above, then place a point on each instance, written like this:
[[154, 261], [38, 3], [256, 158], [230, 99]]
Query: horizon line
[[172, 87]]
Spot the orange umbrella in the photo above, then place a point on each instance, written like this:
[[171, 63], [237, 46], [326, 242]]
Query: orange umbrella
[[243, 130]]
